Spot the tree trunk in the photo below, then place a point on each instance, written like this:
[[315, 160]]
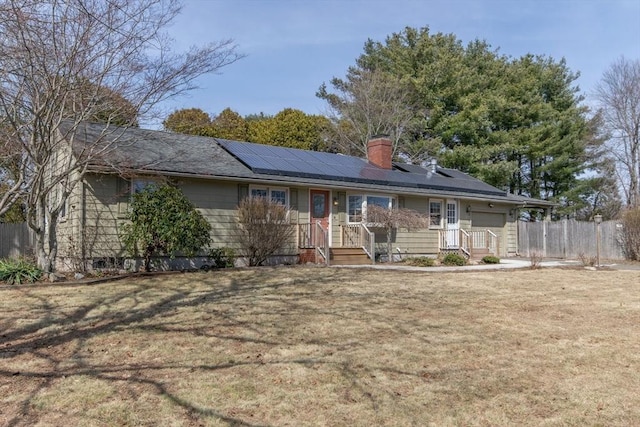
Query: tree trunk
[[634, 172], [37, 221], [147, 260], [46, 244]]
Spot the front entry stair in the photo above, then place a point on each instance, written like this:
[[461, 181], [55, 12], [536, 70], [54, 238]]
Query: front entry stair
[[349, 256], [479, 253]]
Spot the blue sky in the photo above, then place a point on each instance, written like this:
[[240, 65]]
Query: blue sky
[[293, 46]]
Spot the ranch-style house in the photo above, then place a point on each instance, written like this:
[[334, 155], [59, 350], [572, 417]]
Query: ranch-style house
[[327, 195]]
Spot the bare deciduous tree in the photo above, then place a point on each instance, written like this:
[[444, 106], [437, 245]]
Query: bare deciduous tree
[[391, 219], [619, 95], [369, 103], [59, 62]]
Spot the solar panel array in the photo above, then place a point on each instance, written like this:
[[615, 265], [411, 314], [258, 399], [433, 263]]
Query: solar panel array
[[272, 160]]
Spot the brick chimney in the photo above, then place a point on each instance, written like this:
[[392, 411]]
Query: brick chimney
[[379, 151]]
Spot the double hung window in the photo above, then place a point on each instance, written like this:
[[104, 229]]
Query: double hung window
[[435, 213], [355, 209], [275, 194]]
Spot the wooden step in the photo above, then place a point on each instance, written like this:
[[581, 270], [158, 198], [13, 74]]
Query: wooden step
[[479, 253], [349, 256]]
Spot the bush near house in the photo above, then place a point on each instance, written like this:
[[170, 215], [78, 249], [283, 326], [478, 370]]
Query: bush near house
[[164, 222], [422, 261], [222, 257], [262, 229], [453, 259], [490, 259], [18, 271]]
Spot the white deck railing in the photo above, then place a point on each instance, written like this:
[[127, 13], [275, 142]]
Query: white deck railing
[[358, 236], [368, 243], [493, 243], [321, 242], [467, 241]]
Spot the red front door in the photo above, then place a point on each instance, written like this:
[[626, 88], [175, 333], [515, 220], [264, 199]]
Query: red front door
[[319, 209]]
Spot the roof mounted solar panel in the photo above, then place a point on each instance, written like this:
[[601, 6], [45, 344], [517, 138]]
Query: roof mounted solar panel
[[283, 161]]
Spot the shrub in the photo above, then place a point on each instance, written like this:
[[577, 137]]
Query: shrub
[[164, 222], [587, 261], [222, 257], [422, 261], [17, 271], [262, 229], [453, 259], [630, 238], [490, 259], [536, 259]]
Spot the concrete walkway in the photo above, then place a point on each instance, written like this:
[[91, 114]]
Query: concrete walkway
[[505, 263]]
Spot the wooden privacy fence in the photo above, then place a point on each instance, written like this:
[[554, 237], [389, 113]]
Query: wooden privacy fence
[[15, 240], [570, 239]]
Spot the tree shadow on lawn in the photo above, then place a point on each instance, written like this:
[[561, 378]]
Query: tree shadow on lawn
[[56, 343]]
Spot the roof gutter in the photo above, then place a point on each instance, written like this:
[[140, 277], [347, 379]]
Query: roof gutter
[[303, 182]]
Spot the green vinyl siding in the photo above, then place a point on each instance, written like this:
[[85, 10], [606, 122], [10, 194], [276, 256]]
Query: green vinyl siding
[[106, 201], [105, 205]]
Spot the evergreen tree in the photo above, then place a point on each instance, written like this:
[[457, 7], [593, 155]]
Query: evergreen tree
[[517, 123]]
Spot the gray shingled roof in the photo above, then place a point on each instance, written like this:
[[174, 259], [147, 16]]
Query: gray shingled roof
[[158, 152], [152, 151]]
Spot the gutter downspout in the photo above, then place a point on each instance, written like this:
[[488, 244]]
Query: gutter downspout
[[518, 208]]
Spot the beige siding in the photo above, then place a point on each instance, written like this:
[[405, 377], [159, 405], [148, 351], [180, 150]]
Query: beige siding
[[70, 252], [418, 204], [417, 241], [217, 201], [512, 238], [57, 168], [498, 219], [104, 217], [303, 205], [409, 242]]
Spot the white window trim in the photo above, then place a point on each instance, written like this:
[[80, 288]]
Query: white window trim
[[442, 214], [362, 217], [392, 205], [146, 182], [269, 190]]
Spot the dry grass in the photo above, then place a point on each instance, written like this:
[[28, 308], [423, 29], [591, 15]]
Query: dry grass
[[319, 346]]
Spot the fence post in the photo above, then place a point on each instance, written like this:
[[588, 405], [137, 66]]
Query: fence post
[[598, 242], [544, 238], [565, 239]]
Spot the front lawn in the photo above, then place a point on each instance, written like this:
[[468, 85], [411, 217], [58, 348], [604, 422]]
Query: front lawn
[[322, 346]]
